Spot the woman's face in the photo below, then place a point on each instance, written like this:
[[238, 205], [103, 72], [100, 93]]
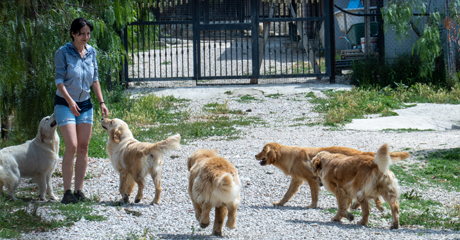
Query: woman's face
[[83, 36]]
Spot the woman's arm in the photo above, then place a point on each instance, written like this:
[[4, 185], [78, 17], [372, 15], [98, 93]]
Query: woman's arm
[[72, 104], [97, 91]]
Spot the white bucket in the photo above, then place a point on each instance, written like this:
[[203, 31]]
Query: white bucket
[[373, 41]]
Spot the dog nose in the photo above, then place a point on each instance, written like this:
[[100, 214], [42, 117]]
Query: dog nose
[[102, 119], [255, 156]]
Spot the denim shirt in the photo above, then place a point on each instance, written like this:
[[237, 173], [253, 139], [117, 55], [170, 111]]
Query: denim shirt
[[76, 73]]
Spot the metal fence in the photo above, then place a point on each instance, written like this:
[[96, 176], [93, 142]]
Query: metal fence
[[229, 41]]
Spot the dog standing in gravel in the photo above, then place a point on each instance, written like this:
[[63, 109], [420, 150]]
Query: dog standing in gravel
[[34, 159], [133, 160], [359, 177], [296, 162], [213, 183]]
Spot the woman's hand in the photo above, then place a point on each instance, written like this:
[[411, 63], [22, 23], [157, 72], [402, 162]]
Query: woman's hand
[[104, 110], [74, 108]]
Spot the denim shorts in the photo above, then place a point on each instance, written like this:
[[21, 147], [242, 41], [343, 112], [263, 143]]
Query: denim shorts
[[64, 116]]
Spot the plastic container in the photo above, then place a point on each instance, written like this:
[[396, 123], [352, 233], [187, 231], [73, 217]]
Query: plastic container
[[356, 32], [373, 41]]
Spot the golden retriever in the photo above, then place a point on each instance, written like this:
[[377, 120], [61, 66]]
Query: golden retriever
[[296, 162], [213, 183], [359, 177], [133, 160], [34, 159]]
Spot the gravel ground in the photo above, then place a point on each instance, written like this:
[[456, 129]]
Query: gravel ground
[[257, 218]]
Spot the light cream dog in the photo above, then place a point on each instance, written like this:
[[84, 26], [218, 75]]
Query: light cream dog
[[133, 160], [34, 159], [213, 183], [359, 177]]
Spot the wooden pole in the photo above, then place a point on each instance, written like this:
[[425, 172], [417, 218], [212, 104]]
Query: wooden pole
[[367, 28]]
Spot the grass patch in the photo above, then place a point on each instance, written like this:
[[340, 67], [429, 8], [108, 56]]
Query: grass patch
[[442, 168], [209, 126], [301, 118], [247, 99], [228, 92], [20, 216], [414, 210], [439, 168], [310, 95], [311, 124], [342, 106], [276, 95], [220, 108]]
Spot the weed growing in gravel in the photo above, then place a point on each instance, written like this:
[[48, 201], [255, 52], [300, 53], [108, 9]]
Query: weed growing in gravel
[[218, 108], [21, 216], [247, 99], [310, 95], [276, 95]]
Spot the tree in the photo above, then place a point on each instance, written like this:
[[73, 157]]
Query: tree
[[399, 15], [30, 34]]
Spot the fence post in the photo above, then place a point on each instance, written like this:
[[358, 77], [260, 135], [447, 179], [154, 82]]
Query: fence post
[[255, 42], [328, 8]]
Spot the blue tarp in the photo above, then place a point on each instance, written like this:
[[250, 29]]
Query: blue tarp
[[355, 4]]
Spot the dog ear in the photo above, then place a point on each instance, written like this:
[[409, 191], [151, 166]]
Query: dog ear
[[272, 155], [316, 165], [115, 135], [189, 163]]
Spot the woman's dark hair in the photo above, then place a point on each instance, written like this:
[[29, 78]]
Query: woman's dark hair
[[78, 24]]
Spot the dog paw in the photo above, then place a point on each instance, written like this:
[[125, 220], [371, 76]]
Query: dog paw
[[278, 204], [155, 202], [137, 200], [204, 225], [394, 225], [231, 225], [362, 222], [125, 198], [312, 206], [381, 208], [336, 219], [350, 217], [53, 197], [216, 233]]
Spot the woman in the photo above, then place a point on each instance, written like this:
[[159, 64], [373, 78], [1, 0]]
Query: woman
[[76, 73]]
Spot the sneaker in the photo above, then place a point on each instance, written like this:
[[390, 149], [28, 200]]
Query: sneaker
[[80, 196], [69, 198]]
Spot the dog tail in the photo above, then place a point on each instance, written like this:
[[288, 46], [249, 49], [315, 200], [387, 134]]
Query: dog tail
[[398, 156], [9, 172], [170, 143], [226, 189], [383, 159]]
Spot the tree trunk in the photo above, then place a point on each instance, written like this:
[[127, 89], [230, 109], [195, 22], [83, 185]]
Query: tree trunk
[[5, 126]]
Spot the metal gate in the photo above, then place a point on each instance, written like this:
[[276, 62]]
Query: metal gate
[[217, 40]]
